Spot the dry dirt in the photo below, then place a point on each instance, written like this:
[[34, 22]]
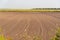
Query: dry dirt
[[43, 24]]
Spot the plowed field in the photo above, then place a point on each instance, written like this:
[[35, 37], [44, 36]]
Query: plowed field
[[15, 24]]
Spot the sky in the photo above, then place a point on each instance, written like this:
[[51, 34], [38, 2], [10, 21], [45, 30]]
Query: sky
[[27, 4]]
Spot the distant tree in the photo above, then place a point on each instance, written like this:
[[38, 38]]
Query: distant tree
[[46, 8]]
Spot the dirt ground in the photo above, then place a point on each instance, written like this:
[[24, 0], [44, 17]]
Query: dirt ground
[[43, 24]]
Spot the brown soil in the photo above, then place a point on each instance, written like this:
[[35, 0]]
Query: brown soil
[[43, 24]]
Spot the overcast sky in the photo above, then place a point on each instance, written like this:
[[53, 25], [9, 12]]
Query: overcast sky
[[22, 4]]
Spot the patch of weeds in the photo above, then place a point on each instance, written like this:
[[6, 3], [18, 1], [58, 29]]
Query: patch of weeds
[[57, 36], [36, 37]]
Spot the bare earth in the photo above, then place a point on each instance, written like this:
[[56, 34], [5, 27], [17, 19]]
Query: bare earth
[[43, 24]]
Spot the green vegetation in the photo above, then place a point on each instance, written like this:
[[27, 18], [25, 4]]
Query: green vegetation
[[36, 37], [57, 36], [2, 37]]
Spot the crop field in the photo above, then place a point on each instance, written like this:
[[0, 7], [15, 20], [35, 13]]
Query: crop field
[[27, 25]]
